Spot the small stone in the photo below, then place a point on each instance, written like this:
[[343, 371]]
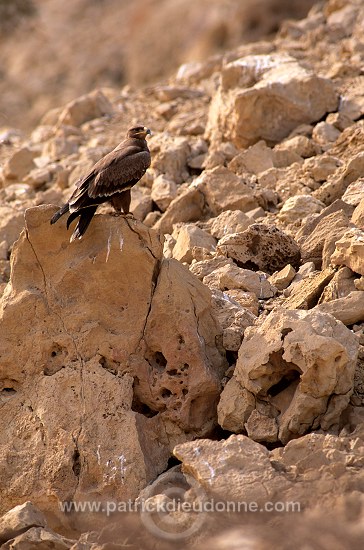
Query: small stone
[[190, 236], [281, 279], [164, 190], [19, 519]]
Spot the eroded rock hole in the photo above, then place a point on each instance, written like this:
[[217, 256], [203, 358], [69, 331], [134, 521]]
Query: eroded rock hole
[[157, 360], [166, 393], [286, 381], [76, 463], [142, 408]]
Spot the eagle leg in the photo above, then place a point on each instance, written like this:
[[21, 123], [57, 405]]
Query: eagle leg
[[121, 201]]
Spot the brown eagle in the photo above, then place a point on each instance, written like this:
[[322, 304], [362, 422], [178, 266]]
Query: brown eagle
[[110, 180]]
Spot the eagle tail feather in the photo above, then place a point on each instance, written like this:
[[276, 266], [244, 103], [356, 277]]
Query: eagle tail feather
[[86, 216], [60, 213]]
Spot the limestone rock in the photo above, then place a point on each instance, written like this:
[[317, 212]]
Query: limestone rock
[[189, 236], [299, 207], [349, 310], [349, 251], [164, 190], [11, 224], [302, 364], [233, 319], [281, 93], [229, 276], [358, 215], [325, 133], [229, 221], [257, 158], [342, 283], [188, 206], [20, 519], [300, 472], [19, 164], [326, 233], [107, 378], [84, 108], [224, 190], [37, 537], [262, 246], [281, 279], [205, 267], [247, 300], [305, 293], [354, 192], [169, 156]]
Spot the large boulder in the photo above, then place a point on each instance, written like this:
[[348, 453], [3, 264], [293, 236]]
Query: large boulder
[[115, 361], [299, 367], [266, 97]]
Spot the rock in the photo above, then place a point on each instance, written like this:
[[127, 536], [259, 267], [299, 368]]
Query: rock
[[188, 206], [337, 184], [263, 247], [358, 215], [261, 427], [169, 157], [37, 537], [233, 319], [229, 221], [11, 224], [262, 84], [205, 267], [257, 158], [164, 190], [230, 277], [297, 473], [302, 364], [297, 146], [189, 236], [19, 164], [255, 214], [354, 192], [328, 230], [141, 202], [224, 190], [20, 519], [247, 300], [281, 279], [325, 134], [299, 207], [348, 310], [84, 108], [151, 345], [349, 251], [340, 285], [305, 293], [235, 406]]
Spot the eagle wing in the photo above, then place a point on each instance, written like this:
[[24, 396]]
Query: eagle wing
[[116, 172], [119, 171]]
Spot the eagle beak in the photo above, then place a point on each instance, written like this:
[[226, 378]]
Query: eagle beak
[[147, 131]]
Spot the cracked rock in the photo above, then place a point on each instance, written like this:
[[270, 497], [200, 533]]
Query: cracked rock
[[116, 360], [301, 364]]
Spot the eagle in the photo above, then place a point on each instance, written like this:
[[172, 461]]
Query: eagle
[[110, 180]]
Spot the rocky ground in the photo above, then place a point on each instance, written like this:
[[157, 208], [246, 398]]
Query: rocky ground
[[211, 348]]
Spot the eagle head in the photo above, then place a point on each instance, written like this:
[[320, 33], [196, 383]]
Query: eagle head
[[139, 132]]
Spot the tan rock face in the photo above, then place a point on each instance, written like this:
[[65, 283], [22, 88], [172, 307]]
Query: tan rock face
[[349, 251], [84, 108], [280, 93], [225, 191], [300, 368], [239, 469], [261, 246], [147, 340]]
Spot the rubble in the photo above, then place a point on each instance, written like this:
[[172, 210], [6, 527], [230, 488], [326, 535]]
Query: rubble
[[115, 356]]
